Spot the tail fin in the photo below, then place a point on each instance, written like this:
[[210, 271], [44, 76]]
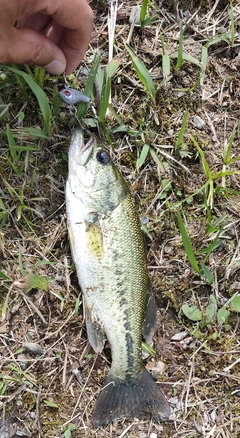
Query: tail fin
[[120, 399]]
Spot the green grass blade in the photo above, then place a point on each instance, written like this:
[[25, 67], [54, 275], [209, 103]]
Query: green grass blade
[[188, 58], [40, 95], [205, 165], [180, 49], [182, 130], [4, 276], [22, 86], [143, 156], [166, 68], [112, 67], [92, 74], [236, 302], [88, 90], [207, 273], [187, 245], [105, 93], [148, 349], [157, 159], [218, 39], [228, 150], [143, 12], [142, 72], [11, 143]]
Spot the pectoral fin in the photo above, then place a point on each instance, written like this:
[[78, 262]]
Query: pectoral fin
[[95, 333], [149, 316], [94, 239]]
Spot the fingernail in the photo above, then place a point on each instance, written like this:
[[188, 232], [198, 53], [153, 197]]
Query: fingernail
[[55, 67]]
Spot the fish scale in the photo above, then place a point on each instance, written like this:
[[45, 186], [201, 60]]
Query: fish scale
[[109, 254]]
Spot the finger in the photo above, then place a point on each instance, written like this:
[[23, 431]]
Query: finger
[[54, 31], [25, 45], [77, 21], [37, 21], [74, 53], [29, 47]]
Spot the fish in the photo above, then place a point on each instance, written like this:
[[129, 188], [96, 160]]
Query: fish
[[109, 253]]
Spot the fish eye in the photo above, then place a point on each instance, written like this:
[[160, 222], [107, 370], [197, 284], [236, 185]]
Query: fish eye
[[103, 157]]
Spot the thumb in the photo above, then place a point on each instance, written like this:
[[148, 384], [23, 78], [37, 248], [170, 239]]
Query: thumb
[[26, 46]]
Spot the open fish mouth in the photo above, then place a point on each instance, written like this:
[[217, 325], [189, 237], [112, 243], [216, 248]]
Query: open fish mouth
[[80, 151], [85, 147]]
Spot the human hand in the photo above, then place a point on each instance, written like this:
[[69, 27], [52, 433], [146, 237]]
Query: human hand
[[53, 34]]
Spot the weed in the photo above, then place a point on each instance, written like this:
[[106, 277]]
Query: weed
[[68, 430], [211, 315], [202, 270], [3, 213], [180, 140], [211, 177], [40, 95], [144, 123], [38, 74], [22, 204], [209, 188], [16, 161], [15, 375], [143, 74]]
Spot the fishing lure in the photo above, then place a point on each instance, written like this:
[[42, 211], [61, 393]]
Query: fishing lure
[[71, 96]]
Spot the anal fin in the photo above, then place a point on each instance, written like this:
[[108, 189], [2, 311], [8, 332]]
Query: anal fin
[[96, 335], [149, 316]]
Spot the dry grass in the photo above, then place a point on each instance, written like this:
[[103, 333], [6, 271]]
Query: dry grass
[[47, 386]]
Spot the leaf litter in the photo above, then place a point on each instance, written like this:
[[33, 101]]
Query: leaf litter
[[52, 394]]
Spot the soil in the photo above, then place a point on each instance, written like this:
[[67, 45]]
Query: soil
[[49, 375]]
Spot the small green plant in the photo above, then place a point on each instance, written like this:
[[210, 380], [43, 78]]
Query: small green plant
[[38, 92], [17, 161], [180, 50], [89, 87], [102, 79], [51, 404], [15, 375], [33, 280], [37, 73], [211, 314], [181, 56], [180, 145], [210, 188], [143, 12], [202, 270], [3, 213], [212, 177], [68, 430], [142, 72], [146, 20], [22, 204], [227, 156]]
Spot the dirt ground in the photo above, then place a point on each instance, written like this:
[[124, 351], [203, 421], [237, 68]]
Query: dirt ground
[[49, 376]]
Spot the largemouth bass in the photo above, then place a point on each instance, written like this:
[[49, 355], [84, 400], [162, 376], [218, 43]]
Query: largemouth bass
[[109, 254]]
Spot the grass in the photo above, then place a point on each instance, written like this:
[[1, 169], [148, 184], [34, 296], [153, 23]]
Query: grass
[[186, 185]]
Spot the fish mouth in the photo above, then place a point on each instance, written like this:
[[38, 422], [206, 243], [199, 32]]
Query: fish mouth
[[89, 144], [80, 152]]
